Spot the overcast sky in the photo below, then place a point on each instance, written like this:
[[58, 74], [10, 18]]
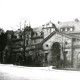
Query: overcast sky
[[38, 12]]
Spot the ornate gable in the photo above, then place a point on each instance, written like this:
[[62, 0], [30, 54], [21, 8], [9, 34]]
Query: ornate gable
[[57, 37]]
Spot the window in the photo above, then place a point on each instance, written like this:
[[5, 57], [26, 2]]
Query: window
[[52, 29], [78, 40], [36, 34], [61, 29], [65, 29], [20, 36], [46, 45], [72, 28], [50, 24], [32, 33], [46, 55], [74, 39], [41, 33], [26, 42], [35, 41]]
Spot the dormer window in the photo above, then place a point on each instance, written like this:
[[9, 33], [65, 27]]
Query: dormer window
[[61, 29], [72, 28], [66, 29]]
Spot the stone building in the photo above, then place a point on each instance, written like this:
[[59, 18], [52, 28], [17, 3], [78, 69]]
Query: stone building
[[13, 47], [50, 44], [59, 44]]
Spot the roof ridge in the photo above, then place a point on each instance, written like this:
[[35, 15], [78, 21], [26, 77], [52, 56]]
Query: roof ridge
[[48, 37], [64, 34]]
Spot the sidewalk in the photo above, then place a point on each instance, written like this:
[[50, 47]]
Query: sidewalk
[[69, 69]]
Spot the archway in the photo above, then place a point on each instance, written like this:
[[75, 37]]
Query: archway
[[56, 48]]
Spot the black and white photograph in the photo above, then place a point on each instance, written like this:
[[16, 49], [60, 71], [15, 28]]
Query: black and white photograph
[[39, 40]]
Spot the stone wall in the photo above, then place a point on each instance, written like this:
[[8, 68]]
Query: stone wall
[[76, 58]]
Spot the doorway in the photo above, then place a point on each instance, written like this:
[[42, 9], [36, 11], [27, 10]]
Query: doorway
[[56, 54]]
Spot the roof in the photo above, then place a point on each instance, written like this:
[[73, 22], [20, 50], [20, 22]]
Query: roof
[[38, 29], [64, 34], [73, 32], [48, 37], [75, 24]]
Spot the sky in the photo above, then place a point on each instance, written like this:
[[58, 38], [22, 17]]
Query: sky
[[37, 12]]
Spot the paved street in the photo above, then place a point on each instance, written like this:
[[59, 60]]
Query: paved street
[[12, 72]]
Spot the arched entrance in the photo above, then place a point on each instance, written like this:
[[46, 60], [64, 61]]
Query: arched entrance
[[56, 48]]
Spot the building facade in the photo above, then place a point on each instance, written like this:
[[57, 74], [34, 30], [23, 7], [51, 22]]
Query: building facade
[[50, 44], [54, 44]]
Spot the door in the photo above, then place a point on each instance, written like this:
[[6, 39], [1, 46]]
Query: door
[[56, 54]]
